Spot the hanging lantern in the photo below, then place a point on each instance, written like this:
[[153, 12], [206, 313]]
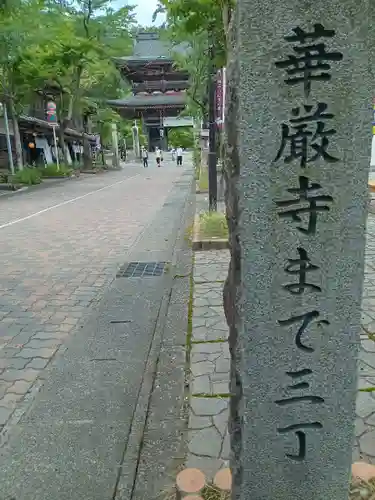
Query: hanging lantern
[[51, 112], [51, 106]]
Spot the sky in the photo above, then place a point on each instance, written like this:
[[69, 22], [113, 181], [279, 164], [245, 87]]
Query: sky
[[144, 9]]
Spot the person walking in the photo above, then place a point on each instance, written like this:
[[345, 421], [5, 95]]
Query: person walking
[[158, 157], [179, 156], [173, 154], [145, 157]]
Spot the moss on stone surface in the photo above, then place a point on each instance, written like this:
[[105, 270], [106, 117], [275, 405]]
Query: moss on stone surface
[[211, 396], [212, 493], [203, 180], [216, 341]]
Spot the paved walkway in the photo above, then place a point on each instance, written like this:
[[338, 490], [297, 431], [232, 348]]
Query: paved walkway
[[208, 441], [60, 249]]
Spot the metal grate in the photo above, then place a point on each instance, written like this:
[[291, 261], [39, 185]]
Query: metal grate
[[141, 270]]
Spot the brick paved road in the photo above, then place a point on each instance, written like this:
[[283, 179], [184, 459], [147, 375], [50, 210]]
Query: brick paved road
[[60, 248]]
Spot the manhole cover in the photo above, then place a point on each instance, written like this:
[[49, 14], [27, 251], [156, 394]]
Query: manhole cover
[[141, 270]]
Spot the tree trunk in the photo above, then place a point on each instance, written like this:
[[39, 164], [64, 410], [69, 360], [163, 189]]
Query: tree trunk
[[87, 158], [102, 150], [63, 145], [65, 123], [62, 131], [17, 135], [226, 13]]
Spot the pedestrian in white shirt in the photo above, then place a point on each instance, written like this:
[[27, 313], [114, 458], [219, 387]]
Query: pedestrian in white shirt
[[179, 156], [145, 157], [158, 157]]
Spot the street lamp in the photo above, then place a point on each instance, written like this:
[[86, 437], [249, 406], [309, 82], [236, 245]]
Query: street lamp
[[4, 112]]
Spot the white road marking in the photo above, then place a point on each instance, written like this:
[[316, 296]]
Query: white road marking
[[16, 221]]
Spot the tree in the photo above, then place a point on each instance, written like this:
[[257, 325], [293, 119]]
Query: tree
[[197, 17], [19, 25], [196, 63], [64, 47], [203, 24], [181, 137], [75, 58]]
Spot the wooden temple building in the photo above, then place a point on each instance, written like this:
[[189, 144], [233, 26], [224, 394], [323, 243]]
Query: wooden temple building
[[158, 88]]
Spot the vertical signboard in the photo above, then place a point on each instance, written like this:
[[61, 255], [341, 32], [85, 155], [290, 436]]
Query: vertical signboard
[[219, 98]]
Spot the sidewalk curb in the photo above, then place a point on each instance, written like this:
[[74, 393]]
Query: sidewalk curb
[[37, 187], [56, 181], [8, 192], [127, 479]]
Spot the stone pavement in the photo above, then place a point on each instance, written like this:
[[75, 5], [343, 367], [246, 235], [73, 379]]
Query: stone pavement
[[208, 438], [60, 250], [210, 362], [364, 448]]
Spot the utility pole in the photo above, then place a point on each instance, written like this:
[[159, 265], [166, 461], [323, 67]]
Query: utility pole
[[212, 156]]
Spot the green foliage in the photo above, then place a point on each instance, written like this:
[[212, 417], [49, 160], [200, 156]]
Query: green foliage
[[52, 171], [4, 177], [196, 17], [203, 24], [27, 176], [142, 139], [183, 137], [203, 180], [65, 49], [196, 63], [197, 157], [213, 225], [19, 24]]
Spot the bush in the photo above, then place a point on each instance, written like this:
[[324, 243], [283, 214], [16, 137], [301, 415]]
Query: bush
[[197, 160], [203, 180], [52, 171], [27, 176], [213, 225], [3, 177], [181, 136]]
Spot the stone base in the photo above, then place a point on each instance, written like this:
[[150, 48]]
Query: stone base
[[206, 244]]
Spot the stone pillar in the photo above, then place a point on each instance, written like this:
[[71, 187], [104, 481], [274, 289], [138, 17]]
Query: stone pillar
[[115, 153], [298, 147], [136, 146]]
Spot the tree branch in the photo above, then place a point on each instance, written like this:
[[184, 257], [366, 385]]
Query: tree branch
[[87, 17]]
